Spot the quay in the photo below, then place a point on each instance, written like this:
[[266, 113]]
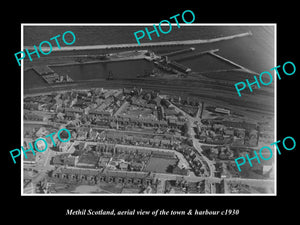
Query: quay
[[50, 76], [184, 57]]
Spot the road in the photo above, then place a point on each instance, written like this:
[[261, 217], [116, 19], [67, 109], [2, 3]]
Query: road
[[191, 125], [252, 182]]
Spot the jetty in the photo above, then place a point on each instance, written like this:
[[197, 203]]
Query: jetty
[[234, 64], [178, 52], [184, 57], [50, 76], [149, 44]]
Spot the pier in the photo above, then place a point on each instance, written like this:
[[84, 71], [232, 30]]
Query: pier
[[178, 52], [150, 44], [43, 70], [50, 76], [197, 54], [213, 53], [234, 64]]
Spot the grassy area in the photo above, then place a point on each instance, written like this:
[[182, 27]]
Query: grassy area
[[111, 188], [159, 165]]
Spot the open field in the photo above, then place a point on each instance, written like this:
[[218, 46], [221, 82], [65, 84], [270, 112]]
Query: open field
[[159, 165]]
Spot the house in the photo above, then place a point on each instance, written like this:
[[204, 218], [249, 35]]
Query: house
[[73, 110], [64, 146], [165, 142], [112, 165], [238, 141], [93, 134], [137, 166], [82, 135], [71, 160], [32, 106], [155, 142], [123, 166], [156, 100], [229, 132], [33, 116]]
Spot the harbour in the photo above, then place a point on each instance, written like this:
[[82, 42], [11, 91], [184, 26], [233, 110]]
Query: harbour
[[209, 66]]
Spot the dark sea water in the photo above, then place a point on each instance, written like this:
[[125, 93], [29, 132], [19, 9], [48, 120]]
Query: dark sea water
[[32, 80], [121, 70], [97, 35], [255, 52]]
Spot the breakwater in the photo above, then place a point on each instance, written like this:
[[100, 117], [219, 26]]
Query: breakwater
[[151, 44]]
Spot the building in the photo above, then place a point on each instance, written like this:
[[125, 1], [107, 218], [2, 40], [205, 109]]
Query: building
[[103, 162], [160, 113], [222, 110], [241, 125], [179, 67], [32, 106], [33, 116], [89, 176], [100, 113]]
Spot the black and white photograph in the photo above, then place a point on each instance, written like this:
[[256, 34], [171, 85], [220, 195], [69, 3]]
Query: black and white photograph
[[149, 113], [159, 117]]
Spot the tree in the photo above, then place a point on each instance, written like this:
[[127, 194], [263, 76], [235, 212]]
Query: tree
[[170, 169]]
